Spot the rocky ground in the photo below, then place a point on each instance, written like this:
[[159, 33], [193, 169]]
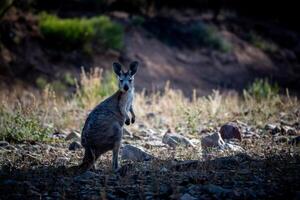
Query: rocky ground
[[236, 162]]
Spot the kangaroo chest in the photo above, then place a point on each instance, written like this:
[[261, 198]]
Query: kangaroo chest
[[126, 101]]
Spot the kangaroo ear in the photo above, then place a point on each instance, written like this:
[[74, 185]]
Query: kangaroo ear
[[133, 67], [117, 68]]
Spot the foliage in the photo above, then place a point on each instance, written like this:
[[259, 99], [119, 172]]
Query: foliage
[[208, 36], [81, 31], [16, 127], [262, 44], [261, 89]]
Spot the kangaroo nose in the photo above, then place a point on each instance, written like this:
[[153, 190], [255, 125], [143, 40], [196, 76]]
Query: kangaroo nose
[[126, 87]]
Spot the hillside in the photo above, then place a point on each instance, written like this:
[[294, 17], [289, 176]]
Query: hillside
[[168, 47]]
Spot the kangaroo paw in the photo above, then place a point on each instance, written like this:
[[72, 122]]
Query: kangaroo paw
[[127, 122]]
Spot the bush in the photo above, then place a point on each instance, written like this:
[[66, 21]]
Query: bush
[[262, 89], [17, 127], [261, 43], [81, 31], [208, 36]]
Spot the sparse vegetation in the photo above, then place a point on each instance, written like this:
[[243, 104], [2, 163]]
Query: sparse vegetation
[[17, 126], [262, 89], [262, 43], [208, 36], [81, 31]]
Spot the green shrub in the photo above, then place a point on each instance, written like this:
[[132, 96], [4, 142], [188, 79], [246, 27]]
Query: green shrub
[[261, 89], [17, 127], [261, 43], [208, 36], [81, 31]]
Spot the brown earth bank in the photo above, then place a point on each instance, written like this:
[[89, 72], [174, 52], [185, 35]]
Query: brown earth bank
[[165, 49]]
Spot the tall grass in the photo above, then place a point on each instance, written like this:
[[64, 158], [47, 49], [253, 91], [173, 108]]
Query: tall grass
[[72, 32]]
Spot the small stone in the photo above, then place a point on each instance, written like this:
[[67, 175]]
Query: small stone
[[230, 131], [174, 140], [150, 115], [3, 143], [74, 146], [74, 135], [273, 128], [187, 196], [289, 130], [233, 147], [295, 141], [58, 135], [281, 139], [133, 153]]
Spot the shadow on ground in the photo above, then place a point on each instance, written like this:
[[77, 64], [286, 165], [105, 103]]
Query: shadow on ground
[[234, 177]]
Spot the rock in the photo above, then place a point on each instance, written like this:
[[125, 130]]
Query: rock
[[213, 140], [74, 135], [74, 146], [232, 147], [288, 130], [150, 115], [155, 143], [3, 143], [295, 141], [187, 196], [281, 139], [273, 128], [133, 153], [174, 140], [230, 131], [58, 135]]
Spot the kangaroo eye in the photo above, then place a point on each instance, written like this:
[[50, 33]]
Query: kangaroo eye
[[120, 80], [130, 80]]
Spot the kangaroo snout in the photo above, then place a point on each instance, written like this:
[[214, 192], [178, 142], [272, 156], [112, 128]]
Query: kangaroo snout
[[126, 87]]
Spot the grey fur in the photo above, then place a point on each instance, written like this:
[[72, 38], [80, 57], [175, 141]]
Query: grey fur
[[103, 128]]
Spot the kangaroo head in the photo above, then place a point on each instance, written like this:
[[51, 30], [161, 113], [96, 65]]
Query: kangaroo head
[[126, 79]]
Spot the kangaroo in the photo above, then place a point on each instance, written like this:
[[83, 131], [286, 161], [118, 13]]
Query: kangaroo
[[103, 127]]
